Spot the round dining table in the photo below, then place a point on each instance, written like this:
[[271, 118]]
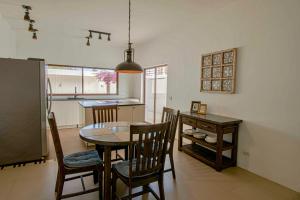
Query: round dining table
[[108, 135]]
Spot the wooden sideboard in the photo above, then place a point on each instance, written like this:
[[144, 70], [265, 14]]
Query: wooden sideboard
[[211, 154]]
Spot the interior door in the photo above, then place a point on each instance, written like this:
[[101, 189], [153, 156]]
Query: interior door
[[155, 90]]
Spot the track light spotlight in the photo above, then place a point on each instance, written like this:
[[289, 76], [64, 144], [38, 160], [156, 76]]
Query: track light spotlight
[[100, 38], [108, 37], [88, 41], [30, 28], [90, 36], [34, 36], [26, 16]]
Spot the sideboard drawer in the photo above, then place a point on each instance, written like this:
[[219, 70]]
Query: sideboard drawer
[[206, 126], [189, 121]]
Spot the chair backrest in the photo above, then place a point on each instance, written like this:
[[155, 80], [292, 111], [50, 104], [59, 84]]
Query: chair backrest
[[148, 148], [56, 140], [105, 114], [172, 116]]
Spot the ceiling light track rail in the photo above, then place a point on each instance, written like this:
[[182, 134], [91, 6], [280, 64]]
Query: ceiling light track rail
[[31, 21], [100, 34]]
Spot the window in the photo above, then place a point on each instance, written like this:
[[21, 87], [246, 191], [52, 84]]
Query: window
[[70, 80]]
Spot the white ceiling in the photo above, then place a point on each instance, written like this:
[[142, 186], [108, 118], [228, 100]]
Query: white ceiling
[[72, 18]]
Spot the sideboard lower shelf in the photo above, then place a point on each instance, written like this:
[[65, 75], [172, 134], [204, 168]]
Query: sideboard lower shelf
[[205, 155], [226, 145]]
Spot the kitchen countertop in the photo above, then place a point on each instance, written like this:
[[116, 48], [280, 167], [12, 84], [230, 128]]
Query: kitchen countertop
[[119, 102]]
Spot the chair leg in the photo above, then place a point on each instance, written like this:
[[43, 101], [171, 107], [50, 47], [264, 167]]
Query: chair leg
[[161, 187], [114, 186], [100, 184], [57, 182], [60, 186], [126, 153], [172, 164], [96, 176], [130, 193]]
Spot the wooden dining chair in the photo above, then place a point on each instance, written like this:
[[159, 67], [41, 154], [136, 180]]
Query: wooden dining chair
[[172, 116], [146, 165], [87, 162], [109, 113]]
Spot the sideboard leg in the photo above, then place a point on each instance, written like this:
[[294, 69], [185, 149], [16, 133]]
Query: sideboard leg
[[219, 160], [180, 131], [234, 143]]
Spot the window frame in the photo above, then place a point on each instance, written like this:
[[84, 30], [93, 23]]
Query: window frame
[[82, 82]]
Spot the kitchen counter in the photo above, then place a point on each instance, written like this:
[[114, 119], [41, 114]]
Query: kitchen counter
[[119, 102], [129, 110]]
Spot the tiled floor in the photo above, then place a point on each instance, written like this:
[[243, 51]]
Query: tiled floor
[[194, 180]]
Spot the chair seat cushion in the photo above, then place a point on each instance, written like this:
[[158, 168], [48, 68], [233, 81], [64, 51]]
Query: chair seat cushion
[[82, 159], [122, 168]]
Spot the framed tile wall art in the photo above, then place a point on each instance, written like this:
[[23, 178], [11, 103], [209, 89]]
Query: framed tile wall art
[[218, 71]]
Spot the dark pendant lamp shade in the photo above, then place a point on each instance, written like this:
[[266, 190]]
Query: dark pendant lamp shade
[[129, 66]]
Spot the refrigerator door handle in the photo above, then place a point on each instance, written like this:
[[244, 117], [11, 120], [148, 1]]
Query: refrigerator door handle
[[49, 97]]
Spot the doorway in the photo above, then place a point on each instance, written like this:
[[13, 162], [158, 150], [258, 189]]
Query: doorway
[[155, 92]]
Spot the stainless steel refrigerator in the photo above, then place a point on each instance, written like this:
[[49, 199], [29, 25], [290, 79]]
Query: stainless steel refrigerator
[[23, 100]]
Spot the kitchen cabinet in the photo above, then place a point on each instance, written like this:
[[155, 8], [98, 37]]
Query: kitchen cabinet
[[125, 113], [138, 114], [130, 113], [67, 113]]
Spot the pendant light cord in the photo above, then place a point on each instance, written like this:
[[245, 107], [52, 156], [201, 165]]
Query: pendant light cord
[[129, 24]]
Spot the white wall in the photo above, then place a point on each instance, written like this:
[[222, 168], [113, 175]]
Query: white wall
[[58, 48], [266, 34], [7, 40]]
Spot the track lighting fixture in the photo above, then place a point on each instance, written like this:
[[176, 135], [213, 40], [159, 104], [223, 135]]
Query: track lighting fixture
[[30, 28], [34, 36], [88, 41], [31, 21], [26, 16], [100, 35]]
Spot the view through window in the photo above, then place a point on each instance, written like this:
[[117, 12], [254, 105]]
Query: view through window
[[68, 80]]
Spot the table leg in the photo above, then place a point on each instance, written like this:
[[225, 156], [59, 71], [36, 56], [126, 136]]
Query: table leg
[[107, 172]]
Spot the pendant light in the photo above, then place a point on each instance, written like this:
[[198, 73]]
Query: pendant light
[[129, 66]]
